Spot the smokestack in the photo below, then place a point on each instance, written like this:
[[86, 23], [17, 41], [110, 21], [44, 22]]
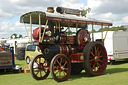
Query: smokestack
[[50, 9], [68, 11]]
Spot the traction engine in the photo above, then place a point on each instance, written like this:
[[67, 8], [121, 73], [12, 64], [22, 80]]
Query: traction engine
[[64, 53]]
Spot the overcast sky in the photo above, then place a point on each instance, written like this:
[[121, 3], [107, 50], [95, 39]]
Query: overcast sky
[[11, 10]]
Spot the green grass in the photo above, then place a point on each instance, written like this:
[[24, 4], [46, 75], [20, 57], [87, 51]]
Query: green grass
[[116, 74]]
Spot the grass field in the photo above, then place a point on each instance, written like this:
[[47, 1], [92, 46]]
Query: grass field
[[116, 74]]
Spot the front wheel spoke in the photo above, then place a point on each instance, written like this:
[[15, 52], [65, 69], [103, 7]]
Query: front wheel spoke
[[65, 64], [40, 60], [65, 68], [64, 73], [61, 60], [37, 72], [57, 72], [40, 74], [35, 68], [58, 63], [95, 69], [44, 70], [55, 67], [37, 62]]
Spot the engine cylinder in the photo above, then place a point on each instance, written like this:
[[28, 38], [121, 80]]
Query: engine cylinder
[[50, 51]]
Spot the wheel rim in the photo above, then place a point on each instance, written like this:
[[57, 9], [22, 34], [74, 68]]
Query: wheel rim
[[98, 59], [39, 68], [61, 68]]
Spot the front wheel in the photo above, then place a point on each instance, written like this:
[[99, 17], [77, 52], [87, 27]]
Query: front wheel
[[60, 67], [95, 58], [39, 68]]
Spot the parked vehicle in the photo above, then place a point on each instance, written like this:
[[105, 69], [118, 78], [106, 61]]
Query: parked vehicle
[[116, 44], [65, 53], [20, 53], [6, 57], [31, 51]]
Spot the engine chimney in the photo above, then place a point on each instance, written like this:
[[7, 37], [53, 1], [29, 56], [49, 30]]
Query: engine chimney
[[68, 11], [50, 9]]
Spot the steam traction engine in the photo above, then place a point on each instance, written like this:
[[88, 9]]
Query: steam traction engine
[[65, 53]]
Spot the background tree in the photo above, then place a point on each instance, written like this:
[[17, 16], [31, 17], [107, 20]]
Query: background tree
[[20, 36], [14, 35], [93, 31]]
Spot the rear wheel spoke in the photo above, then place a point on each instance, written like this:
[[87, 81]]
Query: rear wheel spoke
[[99, 53], [95, 58], [100, 60], [98, 64], [95, 50], [93, 67], [91, 60], [92, 54]]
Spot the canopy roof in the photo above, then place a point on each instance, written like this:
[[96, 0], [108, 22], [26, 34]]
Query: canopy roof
[[60, 17]]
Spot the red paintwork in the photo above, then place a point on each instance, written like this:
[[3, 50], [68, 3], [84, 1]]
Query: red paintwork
[[81, 36], [36, 33], [77, 58], [67, 49], [78, 21]]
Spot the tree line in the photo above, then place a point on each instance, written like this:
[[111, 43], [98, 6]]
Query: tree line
[[109, 29], [15, 36]]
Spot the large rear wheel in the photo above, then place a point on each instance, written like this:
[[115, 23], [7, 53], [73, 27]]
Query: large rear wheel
[[95, 58], [60, 67], [39, 68]]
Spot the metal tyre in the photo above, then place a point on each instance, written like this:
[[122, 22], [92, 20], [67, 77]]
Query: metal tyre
[[60, 67], [39, 68], [95, 58]]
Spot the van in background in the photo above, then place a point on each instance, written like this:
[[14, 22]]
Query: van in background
[[30, 52]]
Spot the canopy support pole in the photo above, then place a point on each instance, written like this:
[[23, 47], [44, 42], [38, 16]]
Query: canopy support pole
[[102, 33], [76, 27], [106, 34], [92, 33], [39, 28], [30, 28], [44, 29], [26, 31]]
